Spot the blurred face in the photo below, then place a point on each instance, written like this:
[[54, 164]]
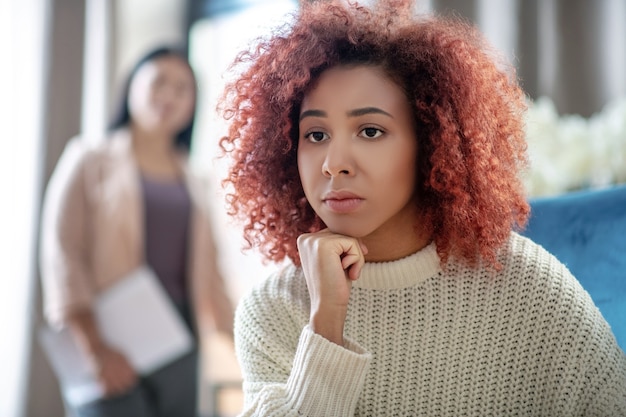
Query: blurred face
[[162, 96], [357, 154]]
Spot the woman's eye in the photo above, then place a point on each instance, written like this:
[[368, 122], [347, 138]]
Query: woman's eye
[[371, 132], [316, 136]]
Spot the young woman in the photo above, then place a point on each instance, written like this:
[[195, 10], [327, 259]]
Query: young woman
[[128, 202], [380, 152]]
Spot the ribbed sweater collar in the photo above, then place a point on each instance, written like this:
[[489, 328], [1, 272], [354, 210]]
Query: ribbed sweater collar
[[405, 272]]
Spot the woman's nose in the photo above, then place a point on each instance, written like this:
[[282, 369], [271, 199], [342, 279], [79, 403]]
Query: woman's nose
[[339, 159]]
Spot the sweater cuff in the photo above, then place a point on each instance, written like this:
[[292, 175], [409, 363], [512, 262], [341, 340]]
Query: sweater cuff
[[326, 379]]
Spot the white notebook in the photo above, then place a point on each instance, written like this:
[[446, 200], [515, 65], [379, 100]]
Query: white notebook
[[137, 317]]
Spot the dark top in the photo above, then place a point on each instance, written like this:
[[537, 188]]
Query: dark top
[[167, 211]]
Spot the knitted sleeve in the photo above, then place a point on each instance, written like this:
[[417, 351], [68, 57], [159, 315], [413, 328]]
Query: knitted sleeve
[[288, 370]]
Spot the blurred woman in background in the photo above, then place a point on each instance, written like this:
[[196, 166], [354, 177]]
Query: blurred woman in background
[[128, 202]]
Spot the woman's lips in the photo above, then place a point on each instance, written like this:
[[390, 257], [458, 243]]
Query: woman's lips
[[343, 206], [342, 201]]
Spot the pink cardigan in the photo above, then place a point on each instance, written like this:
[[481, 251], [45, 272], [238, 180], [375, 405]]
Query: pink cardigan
[[92, 233]]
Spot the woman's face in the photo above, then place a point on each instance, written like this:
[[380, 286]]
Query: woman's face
[[162, 96], [357, 153]]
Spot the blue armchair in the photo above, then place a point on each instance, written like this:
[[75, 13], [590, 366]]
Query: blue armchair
[[586, 230]]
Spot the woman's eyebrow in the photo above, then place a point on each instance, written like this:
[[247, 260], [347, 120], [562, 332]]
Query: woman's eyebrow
[[367, 110], [351, 113], [312, 113]]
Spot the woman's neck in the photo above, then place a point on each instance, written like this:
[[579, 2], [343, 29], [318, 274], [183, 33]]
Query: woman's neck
[[401, 246], [155, 154], [405, 234], [151, 142]]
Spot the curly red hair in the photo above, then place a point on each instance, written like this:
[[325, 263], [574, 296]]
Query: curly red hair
[[468, 111]]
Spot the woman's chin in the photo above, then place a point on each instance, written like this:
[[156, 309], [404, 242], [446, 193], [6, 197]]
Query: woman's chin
[[346, 230]]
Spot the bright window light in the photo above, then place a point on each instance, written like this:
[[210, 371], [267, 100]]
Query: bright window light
[[21, 38], [213, 45]]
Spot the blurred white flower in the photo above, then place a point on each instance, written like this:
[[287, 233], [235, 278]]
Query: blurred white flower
[[571, 152]]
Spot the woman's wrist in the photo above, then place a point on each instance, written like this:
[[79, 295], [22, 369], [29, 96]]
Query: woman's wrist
[[328, 327], [86, 334]]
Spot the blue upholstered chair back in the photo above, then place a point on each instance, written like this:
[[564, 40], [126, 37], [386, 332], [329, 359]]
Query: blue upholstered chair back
[[587, 232]]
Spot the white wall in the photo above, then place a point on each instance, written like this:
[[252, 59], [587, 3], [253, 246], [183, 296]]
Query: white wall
[[22, 27]]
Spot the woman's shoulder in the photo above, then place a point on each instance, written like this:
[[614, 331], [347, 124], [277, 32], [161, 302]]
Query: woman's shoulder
[[282, 294], [81, 150], [520, 261], [276, 308], [521, 254], [77, 156], [536, 278], [286, 286]]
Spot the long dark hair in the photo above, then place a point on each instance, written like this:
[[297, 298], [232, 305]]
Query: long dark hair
[[121, 117]]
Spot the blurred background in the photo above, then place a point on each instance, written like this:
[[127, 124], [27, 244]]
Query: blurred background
[[62, 61]]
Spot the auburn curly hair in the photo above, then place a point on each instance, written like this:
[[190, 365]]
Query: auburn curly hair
[[468, 110]]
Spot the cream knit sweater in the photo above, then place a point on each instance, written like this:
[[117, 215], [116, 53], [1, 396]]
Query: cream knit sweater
[[422, 341]]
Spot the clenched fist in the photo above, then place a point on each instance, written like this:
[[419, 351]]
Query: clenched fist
[[330, 263]]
